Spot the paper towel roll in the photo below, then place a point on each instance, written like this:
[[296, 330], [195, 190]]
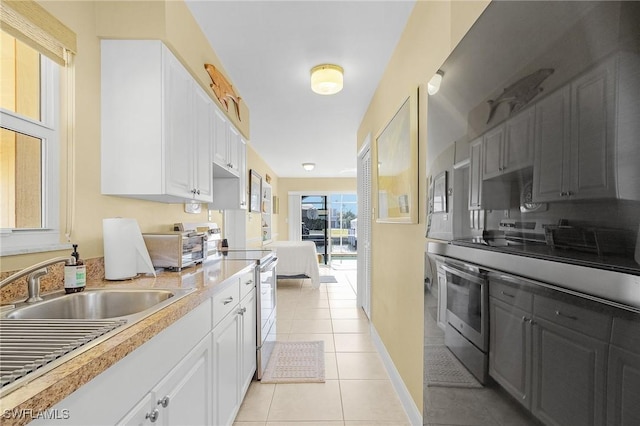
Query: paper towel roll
[[125, 254]]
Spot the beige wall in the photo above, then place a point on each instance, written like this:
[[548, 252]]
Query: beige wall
[[170, 21], [312, 186], [432, 32]]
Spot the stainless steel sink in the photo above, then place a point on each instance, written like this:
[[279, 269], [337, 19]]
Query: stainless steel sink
[[97, 304], [34, 338]]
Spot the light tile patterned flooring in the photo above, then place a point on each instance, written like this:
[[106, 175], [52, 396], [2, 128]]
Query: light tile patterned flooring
[[357, 390]]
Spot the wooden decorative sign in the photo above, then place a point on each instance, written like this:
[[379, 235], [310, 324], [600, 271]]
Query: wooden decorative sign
[[223, 89]]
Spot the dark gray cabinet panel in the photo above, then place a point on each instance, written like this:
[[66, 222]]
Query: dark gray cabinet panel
[[510, 349], [569, 373], [623, 389]]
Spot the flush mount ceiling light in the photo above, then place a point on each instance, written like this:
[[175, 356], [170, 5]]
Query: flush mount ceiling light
[[434, 84], [308, 166], [327, 79]]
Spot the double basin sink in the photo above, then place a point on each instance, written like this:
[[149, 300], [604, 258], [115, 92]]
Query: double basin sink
[[99, 304], [37, 337]]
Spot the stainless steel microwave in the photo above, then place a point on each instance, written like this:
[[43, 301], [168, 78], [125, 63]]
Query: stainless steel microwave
[[176, 250]]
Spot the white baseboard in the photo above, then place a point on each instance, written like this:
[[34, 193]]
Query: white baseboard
[[410, 408]]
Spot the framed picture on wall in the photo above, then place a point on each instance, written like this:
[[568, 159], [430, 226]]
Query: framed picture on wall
[[397, 152], [255, 191]]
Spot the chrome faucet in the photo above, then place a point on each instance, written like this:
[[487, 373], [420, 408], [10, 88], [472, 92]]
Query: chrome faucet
[[34, 273]]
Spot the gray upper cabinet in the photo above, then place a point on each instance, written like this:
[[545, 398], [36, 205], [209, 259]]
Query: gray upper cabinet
[[509, 147], [156, 125], [584, 145]]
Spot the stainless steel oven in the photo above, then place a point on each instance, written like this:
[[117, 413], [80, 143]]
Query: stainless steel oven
[[266, 302], [467, 328]]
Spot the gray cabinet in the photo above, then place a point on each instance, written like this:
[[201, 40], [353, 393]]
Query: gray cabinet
[[623, 375], [509, 147], [568, 376], [475, 175], [510, 340], [584, 131], [552, 355]]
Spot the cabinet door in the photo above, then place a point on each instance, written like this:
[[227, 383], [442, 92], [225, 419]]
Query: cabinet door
[[178, 109], [142, 414], [568, 376], [551, 169], [475, 175], [184, 396], [518, 141], [492, 149], [203, 142], [592, 134], [221, 138], [623, 388], [234, 150], [248, 339], [226, 367], [510, 349]]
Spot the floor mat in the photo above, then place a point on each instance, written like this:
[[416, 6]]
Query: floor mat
[[296, 362], [442, 368], [328, 279]]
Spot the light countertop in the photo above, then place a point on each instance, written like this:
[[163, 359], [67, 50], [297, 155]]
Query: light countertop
[[50, 388]]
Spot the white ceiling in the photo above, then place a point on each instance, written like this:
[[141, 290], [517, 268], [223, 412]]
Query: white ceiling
[[268, 49]]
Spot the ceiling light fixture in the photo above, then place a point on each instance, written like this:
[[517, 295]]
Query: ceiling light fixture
[[327, 79], [308, 166], [434, 83]]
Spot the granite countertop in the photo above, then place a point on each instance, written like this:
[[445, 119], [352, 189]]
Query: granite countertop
[[50, 388]]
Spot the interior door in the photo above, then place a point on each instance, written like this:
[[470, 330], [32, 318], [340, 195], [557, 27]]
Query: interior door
[[364, 228]]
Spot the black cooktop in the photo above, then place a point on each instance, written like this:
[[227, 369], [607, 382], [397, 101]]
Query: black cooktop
[[539, 250]]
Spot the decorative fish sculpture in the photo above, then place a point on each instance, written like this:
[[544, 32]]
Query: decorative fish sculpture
[[521, 92], [223, 89]]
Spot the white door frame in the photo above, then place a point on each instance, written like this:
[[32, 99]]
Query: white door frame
[[364, 227]]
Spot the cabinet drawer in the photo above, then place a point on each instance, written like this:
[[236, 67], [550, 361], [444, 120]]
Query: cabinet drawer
[[574, 317], [247, 283], [626, 334], [225, 301], [511, 295]]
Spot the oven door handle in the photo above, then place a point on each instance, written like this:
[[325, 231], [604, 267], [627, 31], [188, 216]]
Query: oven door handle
[[269, 265], [467, 276]]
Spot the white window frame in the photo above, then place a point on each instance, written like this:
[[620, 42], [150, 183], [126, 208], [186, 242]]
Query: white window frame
[[30, 240]]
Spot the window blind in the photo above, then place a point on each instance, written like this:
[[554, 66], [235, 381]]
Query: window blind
[[33, 25]]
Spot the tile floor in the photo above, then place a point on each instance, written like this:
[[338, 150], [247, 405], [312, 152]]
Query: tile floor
[[357, 390]]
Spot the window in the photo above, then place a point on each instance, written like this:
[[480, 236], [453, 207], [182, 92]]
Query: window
[[29, 149]]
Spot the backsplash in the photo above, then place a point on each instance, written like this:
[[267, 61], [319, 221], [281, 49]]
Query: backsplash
[[53, 281]]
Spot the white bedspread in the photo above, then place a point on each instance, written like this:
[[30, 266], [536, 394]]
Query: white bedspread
[[297, 258]]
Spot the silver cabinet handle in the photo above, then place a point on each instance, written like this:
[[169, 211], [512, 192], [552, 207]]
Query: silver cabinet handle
[[571, 317], [164, 401], [249, 282], [153, 416], [526, 319], [241, 311], [227, 301], [507, 294]]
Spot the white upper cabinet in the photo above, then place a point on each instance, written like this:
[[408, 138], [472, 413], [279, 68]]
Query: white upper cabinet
[[509, 147], [584, 135], [157, 128], [227, 142]]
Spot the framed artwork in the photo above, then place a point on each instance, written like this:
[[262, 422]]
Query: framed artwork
[[397, 151], [255, 191]]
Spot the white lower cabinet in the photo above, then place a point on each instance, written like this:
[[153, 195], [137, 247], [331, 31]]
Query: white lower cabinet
[[182, 397], [234, 354]]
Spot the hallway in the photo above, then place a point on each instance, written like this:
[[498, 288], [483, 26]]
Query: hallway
[[357, 390]]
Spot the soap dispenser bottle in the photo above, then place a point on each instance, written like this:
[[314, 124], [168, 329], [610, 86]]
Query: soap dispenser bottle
[[75, 276]]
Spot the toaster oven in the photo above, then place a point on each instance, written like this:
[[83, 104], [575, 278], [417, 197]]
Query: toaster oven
[[176, 250]]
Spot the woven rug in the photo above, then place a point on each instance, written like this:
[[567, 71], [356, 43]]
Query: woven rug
[[442, 368], [296, 362], [328, 279]]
